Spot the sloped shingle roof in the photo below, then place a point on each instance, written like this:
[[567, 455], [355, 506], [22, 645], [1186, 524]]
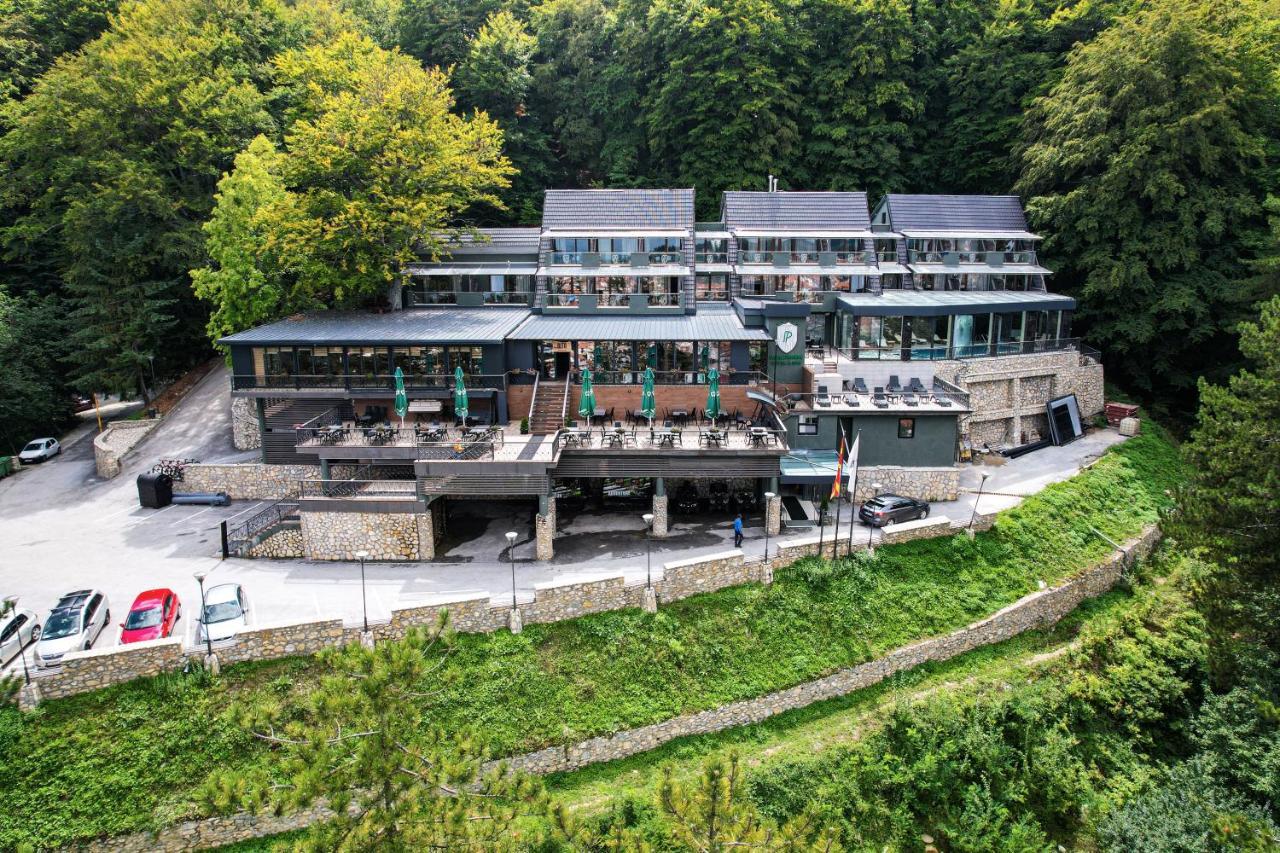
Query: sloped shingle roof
[[956, 213], [791, 211], [629, 209]]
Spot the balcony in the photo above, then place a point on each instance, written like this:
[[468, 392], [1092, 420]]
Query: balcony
[[362, 383], [825, 259], [467, 298], [993, 259], [592, 301], [616, 259], [674, 377], [944, 352]]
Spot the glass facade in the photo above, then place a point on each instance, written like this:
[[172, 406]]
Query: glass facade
[[801, 288], [803, 250], [978, 281], [335, 366], [613, 291], [624, 362], [951, 336], [444, 289], [711, 287], [937, 250], [616, 250]]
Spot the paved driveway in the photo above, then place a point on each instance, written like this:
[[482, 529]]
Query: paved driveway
[[63, 528]]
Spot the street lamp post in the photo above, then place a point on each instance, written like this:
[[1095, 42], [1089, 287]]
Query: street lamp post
[[12, 604], [208, 641], [511, 554], [768, 502], [981, 486], [871, 528], [648, 550], [364, 601]]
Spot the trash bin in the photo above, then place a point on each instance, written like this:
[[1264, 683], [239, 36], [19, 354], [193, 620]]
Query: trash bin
[[6, 466], [155, 490]]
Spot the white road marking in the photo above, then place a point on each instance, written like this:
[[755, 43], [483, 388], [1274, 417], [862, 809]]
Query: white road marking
[[189, 517], [243, 511]]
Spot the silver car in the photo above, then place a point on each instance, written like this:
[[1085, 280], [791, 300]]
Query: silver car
[[17, 628], [74, 623], [226, 613]]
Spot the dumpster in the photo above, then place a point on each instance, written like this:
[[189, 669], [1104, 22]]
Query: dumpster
[[6, 466], [155, 490]]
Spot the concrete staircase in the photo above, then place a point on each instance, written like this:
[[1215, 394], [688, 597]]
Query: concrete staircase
[[548, 415]]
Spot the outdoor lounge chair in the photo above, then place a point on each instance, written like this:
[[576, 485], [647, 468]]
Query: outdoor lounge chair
[[910, 399], [851, 400], [879, 400], [859, 385], [894, 386], [916, 385]]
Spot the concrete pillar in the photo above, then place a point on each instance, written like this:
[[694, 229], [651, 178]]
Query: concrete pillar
[[324, 470], [659, 507], [545, 528], [773, 515]]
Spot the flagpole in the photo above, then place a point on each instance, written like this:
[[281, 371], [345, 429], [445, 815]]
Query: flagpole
[[835, 537], [853, 490]]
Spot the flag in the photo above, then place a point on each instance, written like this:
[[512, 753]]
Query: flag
[[835, 485], [853, 462]]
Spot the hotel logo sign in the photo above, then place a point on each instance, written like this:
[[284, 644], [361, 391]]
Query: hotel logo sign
[[786, 336]]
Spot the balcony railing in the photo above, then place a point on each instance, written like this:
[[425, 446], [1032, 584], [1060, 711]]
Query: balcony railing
[[815, 297], [352, 382], [672, 377], [783, 259], [616, 259], [984, 258], [360, 489], [418, 299], [925, 352], [711, 258], [610, 300]]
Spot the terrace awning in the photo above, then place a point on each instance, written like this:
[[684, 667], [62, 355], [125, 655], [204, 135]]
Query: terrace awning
[[1007, 269], [808, 269], [802, 232], [938, 303], [934, 234], [810, 468]]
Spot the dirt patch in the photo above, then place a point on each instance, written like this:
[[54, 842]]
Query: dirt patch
[[173, 394]]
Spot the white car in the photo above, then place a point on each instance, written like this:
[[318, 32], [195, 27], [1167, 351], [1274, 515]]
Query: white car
[[74, 623], [39, 450], [226, 613], [17, 628]]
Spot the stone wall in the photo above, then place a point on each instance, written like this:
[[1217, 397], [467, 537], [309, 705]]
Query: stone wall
[[279, 641], [544, 526], [245, 431], [926, 528], [929, 484], [339, 535], [115, 444], [1005, 390], [660, 503], [251, 481], [683, 578], [94, 669], [283, 542]]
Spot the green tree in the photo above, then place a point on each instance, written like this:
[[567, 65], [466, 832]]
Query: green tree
[[722, 83], [33, 395], [110, 168], [496, 77], [362, 739], [1148, 162], [34, 33], [374, 167], [439, 32]]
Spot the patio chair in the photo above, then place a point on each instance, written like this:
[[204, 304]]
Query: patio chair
[[859, 385], [851, 400], [894, 386], [944, 402], [910, 399], [916, 385], [822, 400], [879, 400]]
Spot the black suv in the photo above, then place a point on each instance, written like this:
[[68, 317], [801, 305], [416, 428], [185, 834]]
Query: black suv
[[892, 509]]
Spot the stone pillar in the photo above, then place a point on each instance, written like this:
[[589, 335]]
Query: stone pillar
[[545, 528], [650, 600], [515, 621], [246, 427], [29, 697], [773, 515], [659, 507], [426, 535], [1015, 427]]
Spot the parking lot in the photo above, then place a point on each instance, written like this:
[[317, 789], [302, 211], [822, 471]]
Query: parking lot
[[64, 529]]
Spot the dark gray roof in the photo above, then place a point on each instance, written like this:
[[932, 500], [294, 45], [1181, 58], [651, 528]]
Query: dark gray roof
[[628, 209], [956, 212], [790, 211], [711, 323], [935, 303], [414, 326]]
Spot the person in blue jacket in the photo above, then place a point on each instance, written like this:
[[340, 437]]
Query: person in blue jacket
[[737, 531]]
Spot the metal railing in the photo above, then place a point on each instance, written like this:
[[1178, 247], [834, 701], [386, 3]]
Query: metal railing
[[615, 259], [398, 489], [857, 258], [349, 382], [418, 299], [533, 398], [238, 538], [711, 257], [996, 258], [924, 352], [673, 377], [660, 437], [463, 448]]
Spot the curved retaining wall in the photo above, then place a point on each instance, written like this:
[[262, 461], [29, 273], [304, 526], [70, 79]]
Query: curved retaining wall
[[114, 444], [1037, 610]]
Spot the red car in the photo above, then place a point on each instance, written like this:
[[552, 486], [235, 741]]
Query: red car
[[152, 617]]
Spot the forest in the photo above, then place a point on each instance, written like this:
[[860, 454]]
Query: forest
[[179, 170]]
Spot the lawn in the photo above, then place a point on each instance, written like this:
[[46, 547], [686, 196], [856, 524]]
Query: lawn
[[130, 757]]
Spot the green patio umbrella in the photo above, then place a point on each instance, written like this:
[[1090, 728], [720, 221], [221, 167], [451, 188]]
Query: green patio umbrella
[[713, 395], [460, 396], [402, 402], [587, 407], [648, 406]]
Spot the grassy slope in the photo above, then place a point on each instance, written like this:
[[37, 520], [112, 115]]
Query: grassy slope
[[129, 757]]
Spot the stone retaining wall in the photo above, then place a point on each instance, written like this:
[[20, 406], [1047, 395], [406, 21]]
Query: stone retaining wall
[[280, 641], [1039, 609], [114, 444], [927, 528], [247, 481], [282, 543], [340, 535], [94, 669], [928, 484]]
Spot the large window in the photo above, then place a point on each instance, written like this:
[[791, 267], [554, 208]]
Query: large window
[[1010, 332], [971, 335], [712, 250], [278, 361], [928, 336], [711, 286], [320, 361], [468, 358]]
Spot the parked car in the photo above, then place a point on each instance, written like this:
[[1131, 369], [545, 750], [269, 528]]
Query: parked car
[[17, 628], [226, 613], [74, 623], [892, 509], [81, 403], [152, 617], [39, 450]]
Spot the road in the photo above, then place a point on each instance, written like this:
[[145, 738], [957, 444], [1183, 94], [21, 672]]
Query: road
[[64, 528]]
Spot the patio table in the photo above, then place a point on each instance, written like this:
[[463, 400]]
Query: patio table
[[665, 436]]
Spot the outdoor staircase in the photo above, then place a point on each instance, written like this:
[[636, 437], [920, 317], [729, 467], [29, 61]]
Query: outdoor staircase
[[548, 415]]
